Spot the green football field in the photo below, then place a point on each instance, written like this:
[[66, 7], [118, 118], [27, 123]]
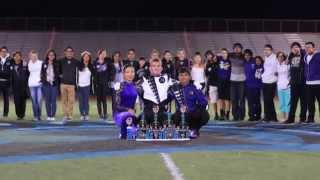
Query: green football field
[[193, 166]]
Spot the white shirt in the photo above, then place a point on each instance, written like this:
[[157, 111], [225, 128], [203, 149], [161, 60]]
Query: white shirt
[[309, 57], [198, 74], [119, 76], [283, 76], [84, 77], [35, 73], [270, 69], [3, 59], [161, 87]]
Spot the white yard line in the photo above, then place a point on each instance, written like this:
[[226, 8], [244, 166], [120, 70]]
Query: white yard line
[[171, 166]]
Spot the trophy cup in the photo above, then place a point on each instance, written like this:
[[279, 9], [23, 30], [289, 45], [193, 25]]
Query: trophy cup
[[155, 122], [142, 127], [184, 128], [131, 131]]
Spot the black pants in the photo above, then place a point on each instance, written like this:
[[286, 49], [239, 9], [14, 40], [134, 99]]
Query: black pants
[[20, 101], [101, 92], [253, 95], [195, 120], [237, 90], [269, 92], [298, 92], [4, 90], [313, 93], [149, 116]]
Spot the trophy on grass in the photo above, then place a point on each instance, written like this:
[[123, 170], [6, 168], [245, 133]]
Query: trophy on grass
[[142, 130], [167, 127], [156, 128], [131, 130], [184, 131]]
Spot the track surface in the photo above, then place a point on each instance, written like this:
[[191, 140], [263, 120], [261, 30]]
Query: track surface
[[23, 142]]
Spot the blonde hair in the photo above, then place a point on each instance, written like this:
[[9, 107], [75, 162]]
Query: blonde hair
[[155, 51], [33, 52]]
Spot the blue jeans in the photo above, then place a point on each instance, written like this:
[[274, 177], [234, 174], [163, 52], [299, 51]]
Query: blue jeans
[[36, 97], [83, 96], [50, 93]]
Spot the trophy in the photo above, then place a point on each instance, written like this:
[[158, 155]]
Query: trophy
[[184, 129], [131, 130], [155, 116], [142, 127], [155, 122], [149, 133]]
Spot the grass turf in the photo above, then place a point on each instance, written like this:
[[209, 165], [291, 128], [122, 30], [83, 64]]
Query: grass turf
[[194, 166], [248, 165], [143, 167]]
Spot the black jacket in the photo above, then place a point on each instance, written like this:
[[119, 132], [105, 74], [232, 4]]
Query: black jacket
[[168, 67], [55, 72], [68, 71], [211, 72], [20, 75], [5, 72], [297, 64], [178, 64], [103, 74]]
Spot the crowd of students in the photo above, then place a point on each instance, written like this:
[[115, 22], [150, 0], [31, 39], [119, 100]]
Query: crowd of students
[[228, 79]]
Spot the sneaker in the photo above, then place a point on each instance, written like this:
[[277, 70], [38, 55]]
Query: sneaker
[[82, 118], [65, 119], [288, 121], [19, 118], [86, 118], [103, 118]]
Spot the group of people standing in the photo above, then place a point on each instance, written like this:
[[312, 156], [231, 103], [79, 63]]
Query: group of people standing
[[47, 79], [234, 77], [226, 79]]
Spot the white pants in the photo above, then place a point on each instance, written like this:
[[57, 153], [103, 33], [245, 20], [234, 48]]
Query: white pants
[[213, 94]]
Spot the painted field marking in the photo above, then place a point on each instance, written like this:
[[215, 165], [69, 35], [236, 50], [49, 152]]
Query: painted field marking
[[171, 166], [162, 140], [5, 124]]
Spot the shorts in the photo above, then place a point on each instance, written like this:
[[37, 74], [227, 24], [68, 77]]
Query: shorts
[[213, 94], [224, 90]]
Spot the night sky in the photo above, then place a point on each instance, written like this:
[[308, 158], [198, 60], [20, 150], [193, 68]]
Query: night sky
[[304, 9]]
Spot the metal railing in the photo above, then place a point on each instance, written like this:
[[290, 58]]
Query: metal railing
[[158, 24]]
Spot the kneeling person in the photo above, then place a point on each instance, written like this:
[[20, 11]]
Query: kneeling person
[[191, 101], [153, 90], [125, 97]]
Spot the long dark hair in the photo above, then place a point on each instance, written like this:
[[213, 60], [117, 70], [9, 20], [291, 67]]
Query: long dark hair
[[82, 65], [120, 62], [47, 56]]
